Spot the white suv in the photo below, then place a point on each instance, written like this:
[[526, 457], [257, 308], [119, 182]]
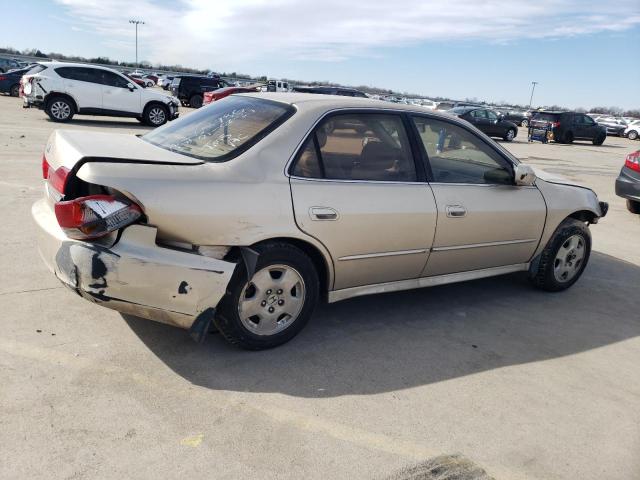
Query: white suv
[[66, 89]]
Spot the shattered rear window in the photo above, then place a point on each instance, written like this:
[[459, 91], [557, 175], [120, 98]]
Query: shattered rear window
[[221, 130]]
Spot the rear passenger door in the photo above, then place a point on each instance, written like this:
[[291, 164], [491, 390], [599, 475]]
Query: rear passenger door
[[358, 190], [84, 84]]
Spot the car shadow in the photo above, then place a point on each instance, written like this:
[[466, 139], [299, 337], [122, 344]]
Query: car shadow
[[401, 340]]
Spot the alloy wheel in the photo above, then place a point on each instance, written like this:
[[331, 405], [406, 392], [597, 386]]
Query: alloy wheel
[[569, 258], [157, 116], [272, 300], [60, 110], [510, 135]]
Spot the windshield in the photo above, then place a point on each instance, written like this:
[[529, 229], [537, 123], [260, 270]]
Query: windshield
[[221, 130]]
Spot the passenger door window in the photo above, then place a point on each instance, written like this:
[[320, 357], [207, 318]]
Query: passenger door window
[[111, 79], [479, 114], [372, 147], [458, 156]]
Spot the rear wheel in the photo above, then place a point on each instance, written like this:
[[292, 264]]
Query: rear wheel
[[632, 135], [524, 123], [195, 101], [599, 139], [59, 109], [567, 137], [564, 258], [275, 304], [155, 115], [510, 135], [15, 90]]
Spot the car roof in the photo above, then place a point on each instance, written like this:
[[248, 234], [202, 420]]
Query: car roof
[[321, 102], [74, 64]]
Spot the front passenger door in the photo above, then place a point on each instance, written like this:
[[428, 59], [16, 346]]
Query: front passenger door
[[116, 96], [484, 219]]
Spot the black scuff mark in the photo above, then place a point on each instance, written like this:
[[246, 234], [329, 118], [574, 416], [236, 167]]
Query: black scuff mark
[[219, 272], [202, 325], [184, 288], [98, 272]]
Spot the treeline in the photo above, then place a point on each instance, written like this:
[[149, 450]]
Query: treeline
[[34, 52]]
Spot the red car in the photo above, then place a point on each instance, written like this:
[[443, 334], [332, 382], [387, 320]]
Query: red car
[[214, 95]]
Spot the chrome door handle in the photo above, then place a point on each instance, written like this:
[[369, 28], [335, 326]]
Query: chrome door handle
[[456, 211], [323, 213]]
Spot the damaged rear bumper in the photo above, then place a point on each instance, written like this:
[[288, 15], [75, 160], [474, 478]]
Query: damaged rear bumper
[[134, 275]]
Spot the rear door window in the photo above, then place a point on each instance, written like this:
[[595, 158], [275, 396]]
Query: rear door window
[[368, 147]]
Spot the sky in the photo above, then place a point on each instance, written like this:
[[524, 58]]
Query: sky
[[583, 53]]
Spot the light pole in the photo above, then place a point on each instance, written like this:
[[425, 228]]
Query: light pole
[[136, 23], [533, 87]]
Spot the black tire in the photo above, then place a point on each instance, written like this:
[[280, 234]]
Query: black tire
[[633, 206], [155, 114], [544, 276], [567, 137], [195, 101], [633, 135], [228, 319], [510, 134], [599, 139], [524, 123], [60, 109], [15, 90]]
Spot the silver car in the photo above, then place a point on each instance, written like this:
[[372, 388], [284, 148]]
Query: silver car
[[248, 212]]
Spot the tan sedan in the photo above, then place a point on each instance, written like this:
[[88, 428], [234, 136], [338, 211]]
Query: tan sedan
[[248, 212]]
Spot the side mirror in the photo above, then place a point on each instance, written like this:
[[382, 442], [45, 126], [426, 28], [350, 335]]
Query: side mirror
[[524, 174], [130, 87]]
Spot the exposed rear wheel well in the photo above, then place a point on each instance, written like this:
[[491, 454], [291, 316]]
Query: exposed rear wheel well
[[584, 216], [52, 95], [316, 256]]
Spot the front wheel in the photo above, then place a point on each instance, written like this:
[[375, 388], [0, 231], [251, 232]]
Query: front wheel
[[599, 139], [632, 135], [524, 123], [510, 135], [564, 258], [155, 115], [272, 306]]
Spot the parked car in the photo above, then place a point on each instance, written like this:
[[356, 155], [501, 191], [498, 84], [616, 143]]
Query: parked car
[[165, 82], [10, 81], [628, 182], [275, 201], [221, 93], [191, 89], [344, 91], [63, 90], [277, 86], [141, 80], [488, 121], [632, 132], [518, 117], [137, 80], [152, 77], [615, 126], [569, 126], [8, 64]]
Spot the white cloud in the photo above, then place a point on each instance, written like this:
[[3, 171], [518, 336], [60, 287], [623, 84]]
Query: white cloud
[[229, 34]]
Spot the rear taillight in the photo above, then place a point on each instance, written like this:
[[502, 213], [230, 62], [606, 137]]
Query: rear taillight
[[633, 161], [86, 218], [555, 124], [2, 77], [57, 178]]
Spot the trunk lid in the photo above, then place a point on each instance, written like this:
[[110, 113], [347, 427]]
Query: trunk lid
[[71, 148]]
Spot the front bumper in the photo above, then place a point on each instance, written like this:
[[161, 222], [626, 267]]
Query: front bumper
[[134, 275], [628, 184]]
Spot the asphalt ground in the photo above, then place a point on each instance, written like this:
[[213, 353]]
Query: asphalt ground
[[517, 382]]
